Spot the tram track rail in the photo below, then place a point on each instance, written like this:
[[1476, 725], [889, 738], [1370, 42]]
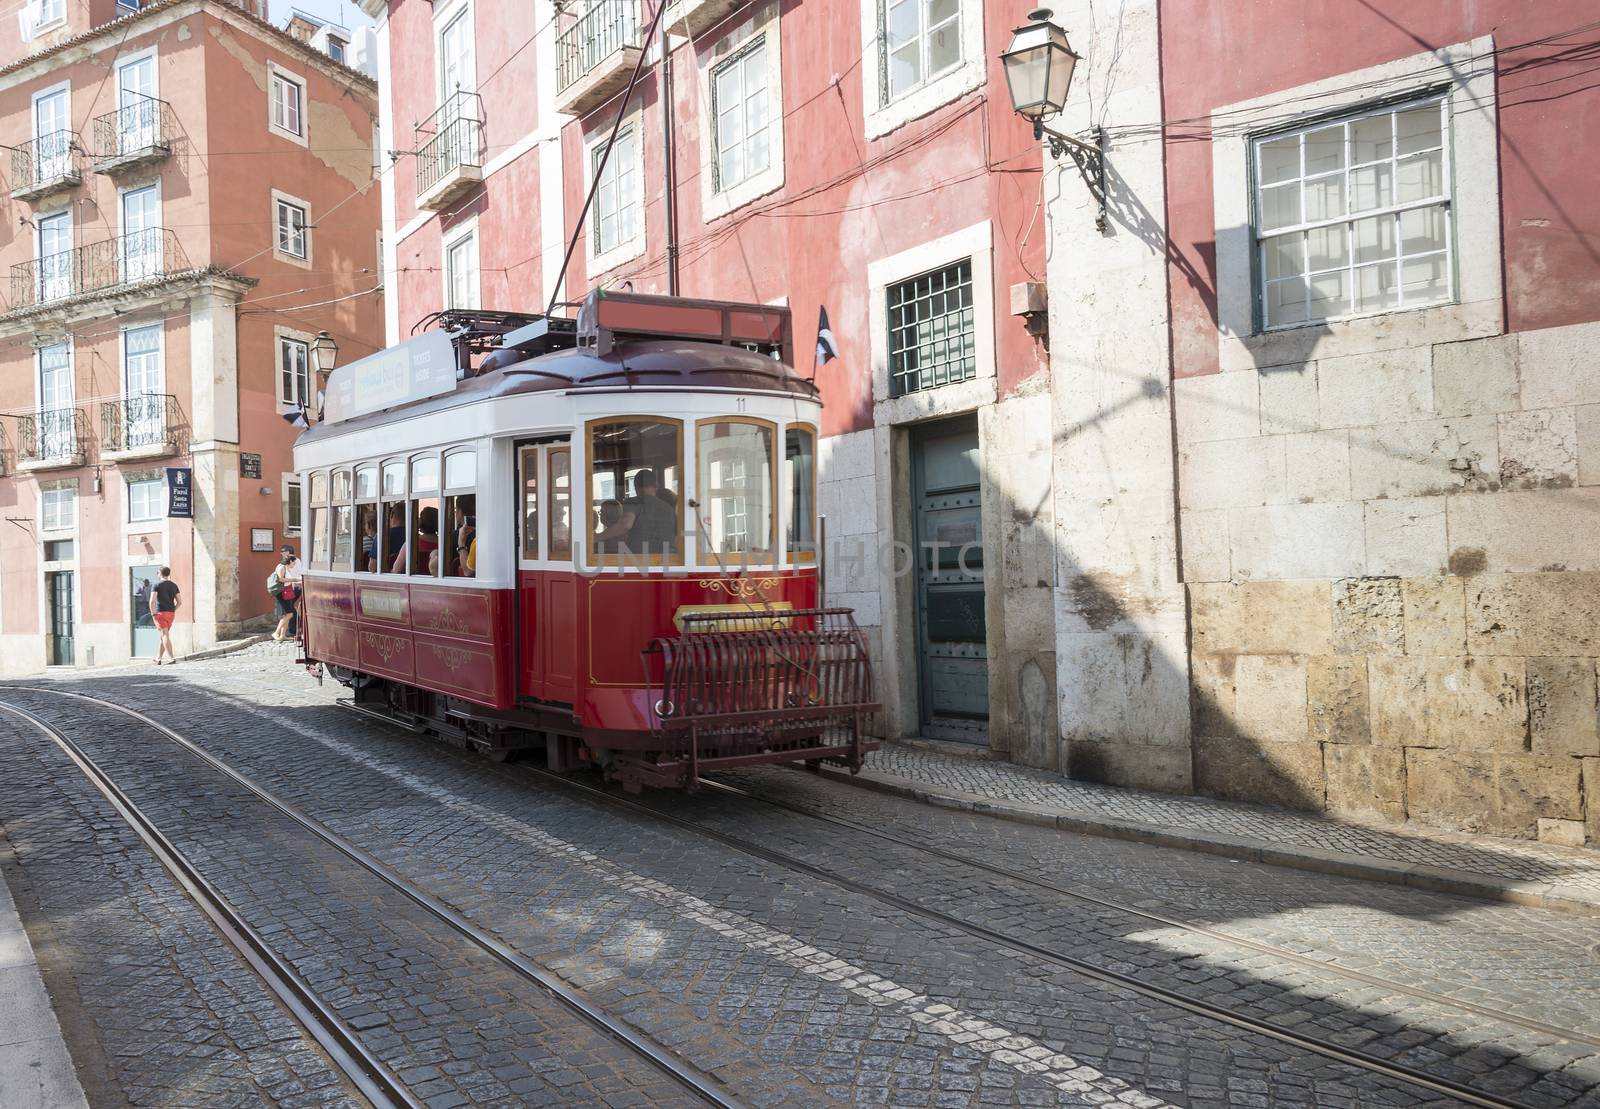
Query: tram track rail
[[1188, 927], [1352, 1057], [375, 1081]]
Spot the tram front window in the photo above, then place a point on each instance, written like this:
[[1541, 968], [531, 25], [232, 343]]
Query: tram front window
[[635, 467], [734, 484]]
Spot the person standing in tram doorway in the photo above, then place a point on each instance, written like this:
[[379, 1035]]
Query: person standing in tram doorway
[[647, 524], [164, 602]]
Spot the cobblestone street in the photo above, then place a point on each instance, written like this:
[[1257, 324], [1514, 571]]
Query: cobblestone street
[[486, 935]]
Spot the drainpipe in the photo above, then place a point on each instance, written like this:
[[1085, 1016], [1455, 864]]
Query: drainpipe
[[667, 162]]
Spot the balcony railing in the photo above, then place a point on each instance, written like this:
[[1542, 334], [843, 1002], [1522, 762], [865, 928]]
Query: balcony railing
[[594, 53], [45, 165], [145, 425], [449, 150], [136, 133], [126, 260], [51, 437]]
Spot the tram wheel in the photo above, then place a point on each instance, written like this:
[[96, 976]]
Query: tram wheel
[[498, 754]]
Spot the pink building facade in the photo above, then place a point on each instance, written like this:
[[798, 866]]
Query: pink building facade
[[808, 168], [190, 202]]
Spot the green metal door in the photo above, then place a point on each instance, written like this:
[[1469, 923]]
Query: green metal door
[[953, 656], [59, 643]]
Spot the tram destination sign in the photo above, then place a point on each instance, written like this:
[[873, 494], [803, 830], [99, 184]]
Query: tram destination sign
[[415, 370]]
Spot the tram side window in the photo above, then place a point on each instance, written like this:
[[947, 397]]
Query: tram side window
[[560, 504], [420, 557], [734, 483], [635, 478], [366, 525], [528, 474], [319, 520], [343, 520], [394, 517], [800, 459], [460, 543]]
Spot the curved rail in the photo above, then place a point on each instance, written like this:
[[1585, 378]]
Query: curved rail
[[1179, 923], [369, 1075], [1360, 1060], [688, 1076]]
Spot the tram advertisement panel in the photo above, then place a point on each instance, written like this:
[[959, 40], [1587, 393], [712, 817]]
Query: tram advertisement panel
[[415, 370]]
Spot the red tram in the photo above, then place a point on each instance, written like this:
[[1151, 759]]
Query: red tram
[[597, 536]]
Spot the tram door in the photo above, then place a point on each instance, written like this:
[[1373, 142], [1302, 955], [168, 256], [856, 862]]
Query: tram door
[[546, 588], [954, 658]]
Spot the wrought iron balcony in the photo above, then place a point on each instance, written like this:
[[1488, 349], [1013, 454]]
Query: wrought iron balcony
[[596, 53], [449, 150], [45, 165], [126, 260], [144, 425], [135, 134], [51, 438]]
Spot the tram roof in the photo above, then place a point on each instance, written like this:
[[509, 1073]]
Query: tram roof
[[628, 367]]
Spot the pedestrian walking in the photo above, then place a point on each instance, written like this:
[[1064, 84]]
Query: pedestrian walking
[[284, 585], [165, 600]]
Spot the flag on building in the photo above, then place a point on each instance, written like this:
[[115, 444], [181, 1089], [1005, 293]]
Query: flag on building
[[296, 417], [827, 347]]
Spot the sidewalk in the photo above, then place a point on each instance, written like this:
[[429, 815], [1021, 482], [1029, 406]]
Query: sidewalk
[[35, 1070], [1565, 879]]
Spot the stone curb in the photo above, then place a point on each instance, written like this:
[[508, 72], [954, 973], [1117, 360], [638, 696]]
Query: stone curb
[[227, 648], [1539, 895]]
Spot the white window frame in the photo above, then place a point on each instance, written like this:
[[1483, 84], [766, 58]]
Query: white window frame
[[280, 201], [976, 243], [159, 504], [281, 337], [716, 198], [444, 16], [44, 283], [1345, 174], [882, 117], [343, 46], [71, 500], [628, 249], [275, 74], [1464, 74], [455, 237], [38, 19], [291, 481], [161, 355]]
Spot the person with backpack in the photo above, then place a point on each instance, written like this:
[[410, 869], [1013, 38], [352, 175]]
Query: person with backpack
[[284, 585]]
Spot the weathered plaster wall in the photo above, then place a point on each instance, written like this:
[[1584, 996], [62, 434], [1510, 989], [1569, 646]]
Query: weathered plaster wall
[[1122, 673]]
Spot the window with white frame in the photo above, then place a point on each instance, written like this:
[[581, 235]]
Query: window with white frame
[[336, 49], [146, 500], [46, 12], [1353, 216], [617, 207], [932, 330], [294, 372], [291, 505], [461, 271], [58, 508], [920, 40], [740, 107], [288, 101], [292, 234]]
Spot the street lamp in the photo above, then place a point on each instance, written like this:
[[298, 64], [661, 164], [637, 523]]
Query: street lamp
[[1039, 64], [324, 352]]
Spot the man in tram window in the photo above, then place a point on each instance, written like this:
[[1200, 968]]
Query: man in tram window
[[647, 524], [369, 538], [610, 513], [466, 533], [395, 537]]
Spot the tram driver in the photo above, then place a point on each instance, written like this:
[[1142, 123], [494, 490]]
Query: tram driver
[[646, 524]]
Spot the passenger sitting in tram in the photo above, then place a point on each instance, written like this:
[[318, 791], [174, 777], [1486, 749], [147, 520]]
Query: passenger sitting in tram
[[610, 513], [369, 538], [427, 541], [648, 524], [466, 535]]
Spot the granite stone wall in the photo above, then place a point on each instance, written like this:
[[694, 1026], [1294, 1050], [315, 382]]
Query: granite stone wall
[[1392, 562]]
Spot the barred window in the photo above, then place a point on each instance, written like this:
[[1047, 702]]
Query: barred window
[[931, 331], [1353, 216]]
